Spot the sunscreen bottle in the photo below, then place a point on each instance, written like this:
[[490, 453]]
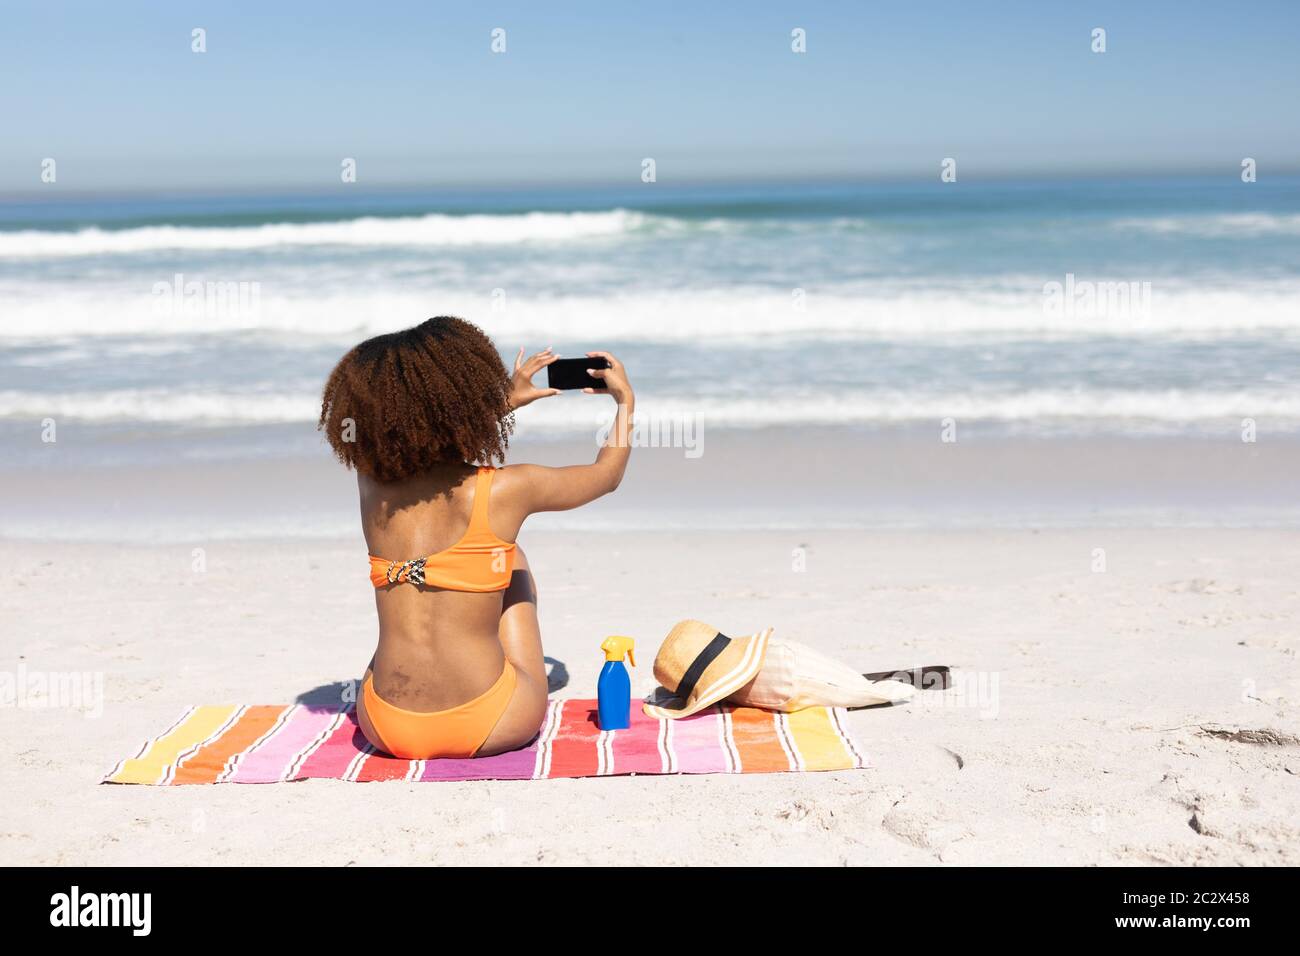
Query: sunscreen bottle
[[614, 688]]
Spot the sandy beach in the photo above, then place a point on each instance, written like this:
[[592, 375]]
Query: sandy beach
[[1141, 714], [147, 487], [952, 339]]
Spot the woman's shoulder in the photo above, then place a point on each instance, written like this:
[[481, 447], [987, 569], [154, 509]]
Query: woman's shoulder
[[515, 482], [510, 477]]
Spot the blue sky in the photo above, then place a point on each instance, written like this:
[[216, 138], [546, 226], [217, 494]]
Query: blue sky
[[586, 90]]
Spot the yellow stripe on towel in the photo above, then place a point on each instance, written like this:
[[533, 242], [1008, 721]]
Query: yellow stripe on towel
[[160, 755], [820, 744]]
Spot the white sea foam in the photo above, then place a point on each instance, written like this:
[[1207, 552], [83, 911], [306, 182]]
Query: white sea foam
[[744, 315], [895, 406], [158, 405], [1231, 225], [430, 230], [575, 413], [480, 229]]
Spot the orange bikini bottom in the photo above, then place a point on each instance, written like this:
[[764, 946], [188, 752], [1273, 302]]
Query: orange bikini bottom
[[458, 732]]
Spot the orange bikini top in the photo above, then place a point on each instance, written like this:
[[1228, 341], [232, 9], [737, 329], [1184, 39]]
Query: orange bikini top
[[479, 561]]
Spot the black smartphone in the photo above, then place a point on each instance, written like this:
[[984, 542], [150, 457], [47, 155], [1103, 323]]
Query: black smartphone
[[572, 373]]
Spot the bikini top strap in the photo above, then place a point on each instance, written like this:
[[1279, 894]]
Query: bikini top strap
[[478, 516]]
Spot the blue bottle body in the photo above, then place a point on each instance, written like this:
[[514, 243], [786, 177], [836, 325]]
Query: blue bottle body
[[614, 696]]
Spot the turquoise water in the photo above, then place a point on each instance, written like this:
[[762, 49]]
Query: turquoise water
[[1116, 306]]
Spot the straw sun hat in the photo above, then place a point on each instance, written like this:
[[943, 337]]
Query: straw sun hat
[[698, 666]]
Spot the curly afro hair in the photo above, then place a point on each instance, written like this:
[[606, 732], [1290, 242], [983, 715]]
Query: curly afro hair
[[399, 404]]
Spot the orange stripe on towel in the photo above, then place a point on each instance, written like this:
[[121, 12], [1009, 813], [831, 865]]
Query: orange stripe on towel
[[207, 764], [755, 734]]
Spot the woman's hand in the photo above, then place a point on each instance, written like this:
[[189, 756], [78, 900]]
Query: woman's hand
[[522, 389], [614, 377]]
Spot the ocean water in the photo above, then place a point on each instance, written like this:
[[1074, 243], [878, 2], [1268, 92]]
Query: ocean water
[[1048, 309]]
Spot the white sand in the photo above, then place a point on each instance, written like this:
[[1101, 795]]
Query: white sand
[[1142, 715]]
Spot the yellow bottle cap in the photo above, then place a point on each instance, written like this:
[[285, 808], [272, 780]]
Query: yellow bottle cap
[[617, 646]]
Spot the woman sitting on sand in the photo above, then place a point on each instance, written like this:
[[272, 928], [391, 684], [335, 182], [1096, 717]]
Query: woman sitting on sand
[[422, 415]]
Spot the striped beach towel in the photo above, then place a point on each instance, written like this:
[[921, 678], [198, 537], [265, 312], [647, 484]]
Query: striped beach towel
[[273, 744]]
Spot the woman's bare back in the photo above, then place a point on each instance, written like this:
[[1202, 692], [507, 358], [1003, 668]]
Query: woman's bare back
[[437, 648]]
